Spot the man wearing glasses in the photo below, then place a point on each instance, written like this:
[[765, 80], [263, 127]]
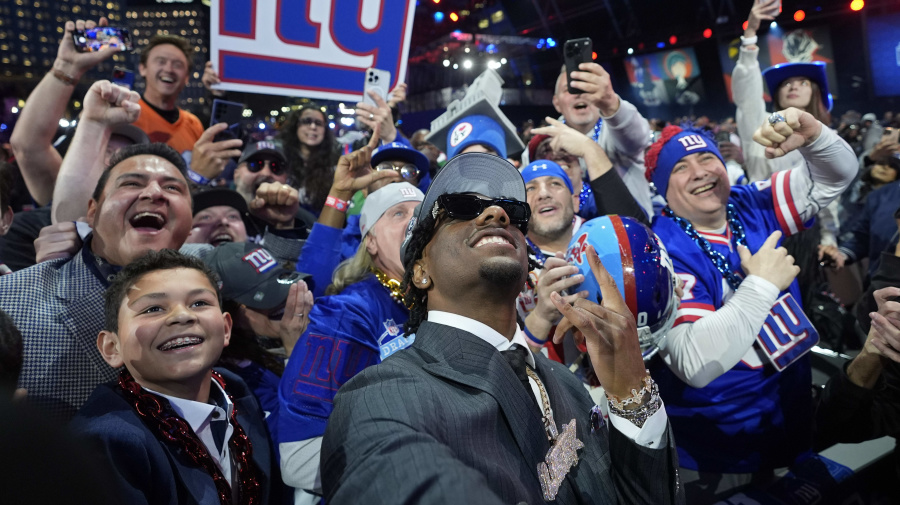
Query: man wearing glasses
[[261, 178], [467, 414]]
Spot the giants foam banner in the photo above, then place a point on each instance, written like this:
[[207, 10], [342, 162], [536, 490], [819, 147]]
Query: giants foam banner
[[311, 48]]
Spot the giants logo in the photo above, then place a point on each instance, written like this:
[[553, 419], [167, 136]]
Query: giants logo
[[261, 260], [787, 333], [329, 362], [692, 142], [320, 47]]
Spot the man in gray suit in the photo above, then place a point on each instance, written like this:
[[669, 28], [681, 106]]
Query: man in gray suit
[[467, 414]]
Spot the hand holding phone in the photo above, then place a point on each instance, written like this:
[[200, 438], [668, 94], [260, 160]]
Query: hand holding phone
[[101, 37], [892, 135], [231, 113], [576, 52]]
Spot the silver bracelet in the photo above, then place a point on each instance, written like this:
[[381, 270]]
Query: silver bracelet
[[640, 415]]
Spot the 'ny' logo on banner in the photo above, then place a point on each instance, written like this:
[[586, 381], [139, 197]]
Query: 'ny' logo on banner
[[318, 49]]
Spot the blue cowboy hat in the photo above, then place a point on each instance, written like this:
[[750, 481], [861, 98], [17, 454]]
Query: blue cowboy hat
[[814, 71]]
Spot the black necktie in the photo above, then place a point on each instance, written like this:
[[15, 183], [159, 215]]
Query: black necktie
[[219, 426], [516, 356]]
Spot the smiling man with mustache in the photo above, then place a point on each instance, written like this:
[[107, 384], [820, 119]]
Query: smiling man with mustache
[[736, 373], [141, 203]]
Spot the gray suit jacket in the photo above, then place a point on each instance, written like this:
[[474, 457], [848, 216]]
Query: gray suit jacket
[[447, 421]]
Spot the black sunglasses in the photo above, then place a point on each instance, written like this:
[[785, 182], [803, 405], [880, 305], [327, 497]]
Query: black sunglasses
[[275, 166], [466, 207]]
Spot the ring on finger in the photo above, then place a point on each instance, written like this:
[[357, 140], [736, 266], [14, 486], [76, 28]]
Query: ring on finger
[[299, 314], [371, 116], [776, 117]]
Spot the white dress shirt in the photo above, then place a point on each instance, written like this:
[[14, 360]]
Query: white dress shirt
[[651, 434], [198, 415]]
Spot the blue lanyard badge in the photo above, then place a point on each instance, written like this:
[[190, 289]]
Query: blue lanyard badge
[[787, 333]]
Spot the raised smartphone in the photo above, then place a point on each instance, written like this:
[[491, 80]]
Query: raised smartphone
[[576, 51], [101, 37]]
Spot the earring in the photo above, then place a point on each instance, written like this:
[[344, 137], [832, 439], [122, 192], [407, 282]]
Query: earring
[[424, 281]]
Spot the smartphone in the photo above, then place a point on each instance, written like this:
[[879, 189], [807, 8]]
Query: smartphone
[[232, 113], [123, 77], [893, 134], [576, 51], [722, 137], [378, 80], [101, 37]]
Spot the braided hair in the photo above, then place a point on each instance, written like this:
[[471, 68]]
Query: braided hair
[[416, 298]]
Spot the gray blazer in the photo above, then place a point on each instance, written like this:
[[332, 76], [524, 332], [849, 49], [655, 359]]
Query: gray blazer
[[447, 421]]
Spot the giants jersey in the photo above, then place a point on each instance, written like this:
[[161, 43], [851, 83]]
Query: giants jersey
[[758, 414], [358, 327]]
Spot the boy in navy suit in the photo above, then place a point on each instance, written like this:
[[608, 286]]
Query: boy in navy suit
[[175, 430]]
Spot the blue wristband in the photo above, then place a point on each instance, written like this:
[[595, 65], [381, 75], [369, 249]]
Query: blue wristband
[[534, 340], [199, 179]]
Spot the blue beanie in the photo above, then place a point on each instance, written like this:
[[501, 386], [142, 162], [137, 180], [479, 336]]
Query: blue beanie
[[543, 168], [476, 129], [673, 145]]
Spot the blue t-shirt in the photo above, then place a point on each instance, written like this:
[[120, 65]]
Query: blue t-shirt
[[752, 416], [349, 331]]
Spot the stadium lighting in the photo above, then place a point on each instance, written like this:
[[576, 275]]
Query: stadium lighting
[[857, 5], [799, 15]]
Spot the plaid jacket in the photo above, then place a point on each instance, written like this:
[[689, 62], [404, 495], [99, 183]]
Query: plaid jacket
[[58, 308]]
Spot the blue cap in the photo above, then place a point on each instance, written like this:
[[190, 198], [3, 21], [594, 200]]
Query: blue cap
[[814, 71], [402, 152], [476, 129], [689, 141], [546, 168]]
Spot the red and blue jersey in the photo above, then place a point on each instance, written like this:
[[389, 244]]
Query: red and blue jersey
[[758, 414]]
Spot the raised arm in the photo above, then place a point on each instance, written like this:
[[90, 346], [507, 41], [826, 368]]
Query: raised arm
[[747, 90], [32, 138], [105, 105], [831, 164]]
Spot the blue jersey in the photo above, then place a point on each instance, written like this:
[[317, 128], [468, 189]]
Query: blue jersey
[[758, 414], [349, 331]]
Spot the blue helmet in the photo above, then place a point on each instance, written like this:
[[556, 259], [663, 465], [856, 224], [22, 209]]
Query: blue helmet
[[641, 267]]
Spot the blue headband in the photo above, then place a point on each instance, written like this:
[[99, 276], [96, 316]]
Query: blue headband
[[545, 168], [685, 143]]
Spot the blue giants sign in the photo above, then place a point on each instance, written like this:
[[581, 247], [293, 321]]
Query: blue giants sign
[[317, 49]]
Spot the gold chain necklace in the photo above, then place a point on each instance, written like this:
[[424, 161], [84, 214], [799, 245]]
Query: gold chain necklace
[[392, 285]]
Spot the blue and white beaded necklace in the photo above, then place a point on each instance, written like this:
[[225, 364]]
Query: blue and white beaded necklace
[[719, 260]]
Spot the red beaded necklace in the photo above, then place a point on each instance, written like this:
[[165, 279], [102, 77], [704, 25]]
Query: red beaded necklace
[[158, 415]]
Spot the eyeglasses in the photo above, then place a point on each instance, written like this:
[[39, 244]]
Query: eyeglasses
[[407, 171], [310, 121], [275, 166], [467, 207]]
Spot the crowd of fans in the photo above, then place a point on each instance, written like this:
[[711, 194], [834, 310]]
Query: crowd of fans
[[192, 303]]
